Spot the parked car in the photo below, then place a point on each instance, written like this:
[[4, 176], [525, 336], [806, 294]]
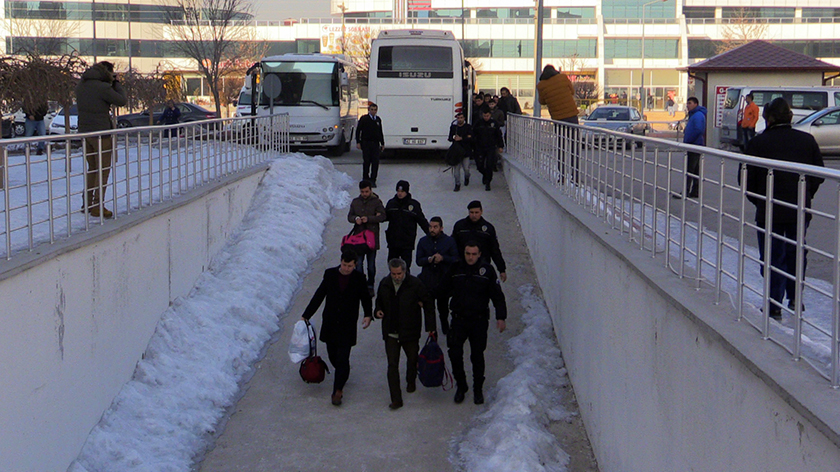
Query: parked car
[[624, 119], [824, 125], [57, 125], [18, 120], [189, 112]]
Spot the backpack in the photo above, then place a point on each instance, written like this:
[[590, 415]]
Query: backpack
[[362, 242], [313, 369], [431, 366]]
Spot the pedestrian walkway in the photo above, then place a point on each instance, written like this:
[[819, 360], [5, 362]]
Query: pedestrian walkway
[[281, 423]]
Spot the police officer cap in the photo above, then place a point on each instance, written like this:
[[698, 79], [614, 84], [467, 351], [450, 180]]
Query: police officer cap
[[402, 185]]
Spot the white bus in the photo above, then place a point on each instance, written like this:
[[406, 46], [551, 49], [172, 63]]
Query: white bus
[[321, 95], [419, 79]]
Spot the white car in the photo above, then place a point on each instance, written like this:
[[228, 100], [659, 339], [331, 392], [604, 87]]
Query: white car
[[18, 119], [57, 124]]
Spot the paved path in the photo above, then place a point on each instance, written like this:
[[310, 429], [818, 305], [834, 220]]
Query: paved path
[[281, 423]]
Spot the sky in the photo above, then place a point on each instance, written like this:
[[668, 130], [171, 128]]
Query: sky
[[282, 9]]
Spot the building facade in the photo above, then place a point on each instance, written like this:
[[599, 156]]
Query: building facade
[[599, 39]]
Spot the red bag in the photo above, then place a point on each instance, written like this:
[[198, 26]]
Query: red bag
[[363, 242], [313, 369]]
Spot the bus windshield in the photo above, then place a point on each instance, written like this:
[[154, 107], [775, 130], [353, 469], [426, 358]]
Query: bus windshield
[[432, 61], [303, 83]]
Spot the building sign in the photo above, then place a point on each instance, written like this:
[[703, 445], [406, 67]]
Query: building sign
[[356, 39], [720, 98], [331, 38]]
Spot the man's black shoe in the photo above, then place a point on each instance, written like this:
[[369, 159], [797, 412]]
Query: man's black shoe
[[467, 181], [395, 405], [457, 188], [487, 187], [411, 387], [372, 184], [460, 394], [478, 397]]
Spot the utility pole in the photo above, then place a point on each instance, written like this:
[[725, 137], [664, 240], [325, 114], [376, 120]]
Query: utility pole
[[538, 48]]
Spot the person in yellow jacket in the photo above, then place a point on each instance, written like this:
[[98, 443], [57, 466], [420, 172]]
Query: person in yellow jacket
[[557, 92], [750, 120]]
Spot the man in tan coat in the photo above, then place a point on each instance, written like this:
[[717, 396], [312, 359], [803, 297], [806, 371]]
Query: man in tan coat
[[557, 92]]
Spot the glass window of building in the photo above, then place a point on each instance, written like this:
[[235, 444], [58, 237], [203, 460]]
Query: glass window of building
[[575, 12], [757, 12], [699, 12], [624, 9], [821, 13], [632, 48]]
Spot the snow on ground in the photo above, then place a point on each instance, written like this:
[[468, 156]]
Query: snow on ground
[[512, 433], [206, 342]]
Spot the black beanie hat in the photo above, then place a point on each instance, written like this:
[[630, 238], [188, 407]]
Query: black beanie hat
[[474, 204], [402, 185]]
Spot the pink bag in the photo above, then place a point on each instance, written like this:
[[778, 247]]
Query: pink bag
[[362, 242]]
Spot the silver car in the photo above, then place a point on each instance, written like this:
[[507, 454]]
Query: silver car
[[824, 125], [624, 119]]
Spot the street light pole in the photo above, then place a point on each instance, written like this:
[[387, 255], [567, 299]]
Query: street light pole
[[642, 94]]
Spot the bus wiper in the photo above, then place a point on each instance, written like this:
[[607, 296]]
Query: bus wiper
[[316, 103]]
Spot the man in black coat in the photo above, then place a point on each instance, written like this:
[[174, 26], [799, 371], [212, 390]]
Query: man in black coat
[[488, 141], [344, 289], [781, 142], [475, 228], [472, 284], [404, 215], [435, 254], [371, 140], [458, 156], [399, 300]]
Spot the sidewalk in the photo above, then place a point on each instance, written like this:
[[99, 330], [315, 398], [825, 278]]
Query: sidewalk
[[281, 423]]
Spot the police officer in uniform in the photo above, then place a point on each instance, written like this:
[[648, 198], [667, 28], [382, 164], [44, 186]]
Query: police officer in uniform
[[471, 284], [475, 228]]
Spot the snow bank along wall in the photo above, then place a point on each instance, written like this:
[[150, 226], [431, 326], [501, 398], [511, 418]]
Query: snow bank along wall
[[78, 316], [666, 380]]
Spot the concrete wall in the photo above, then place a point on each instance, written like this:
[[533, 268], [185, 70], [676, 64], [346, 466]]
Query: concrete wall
[[77, 316], [665, 380]]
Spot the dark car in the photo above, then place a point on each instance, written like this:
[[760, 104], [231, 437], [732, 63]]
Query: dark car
[[189, 112]]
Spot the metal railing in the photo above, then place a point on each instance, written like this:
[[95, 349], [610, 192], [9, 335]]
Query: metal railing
[[636, 185], [43, 196]]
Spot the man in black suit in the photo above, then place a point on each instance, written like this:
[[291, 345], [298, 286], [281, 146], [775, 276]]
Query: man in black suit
[[371, 141], [344, 288]]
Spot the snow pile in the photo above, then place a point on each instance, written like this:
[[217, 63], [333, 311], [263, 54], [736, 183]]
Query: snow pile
[[512, 434], [205, 343]]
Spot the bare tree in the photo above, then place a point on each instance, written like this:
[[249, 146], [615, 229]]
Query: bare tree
[[586, 88], [357, 47], [214, 33], [145, 91], [743, 28], [29, 81]]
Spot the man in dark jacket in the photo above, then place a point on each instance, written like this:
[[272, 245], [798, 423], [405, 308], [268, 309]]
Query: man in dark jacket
[[508, 103], [472, 284], [488, 141], [435, 254], [404, 215], [344, 288], [695, 133], [371, 140], [34, 124], [781, 142], [475, 228], [399, 300], [96, 93], [366, 212], [460, 135]]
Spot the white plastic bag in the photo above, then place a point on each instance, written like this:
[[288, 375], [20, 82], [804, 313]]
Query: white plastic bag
[[299, 345]]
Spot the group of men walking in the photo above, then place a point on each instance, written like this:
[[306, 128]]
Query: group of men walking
[[456, 280]]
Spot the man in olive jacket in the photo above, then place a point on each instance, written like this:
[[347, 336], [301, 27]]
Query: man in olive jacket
[[366, 212], [399, 299], [344, 288], [96, 93]]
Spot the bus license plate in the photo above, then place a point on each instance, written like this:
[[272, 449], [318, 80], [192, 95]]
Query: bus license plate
[[414, 140]]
